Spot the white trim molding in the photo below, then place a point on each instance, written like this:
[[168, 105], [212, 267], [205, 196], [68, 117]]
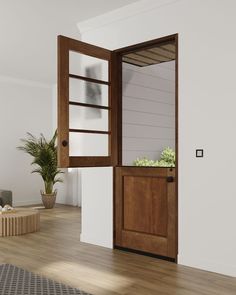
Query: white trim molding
[[207, 265], [122, 13], [27, 202], [89, 239]]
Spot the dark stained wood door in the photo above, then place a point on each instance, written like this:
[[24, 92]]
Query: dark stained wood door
[[87, 84], [145, 210]]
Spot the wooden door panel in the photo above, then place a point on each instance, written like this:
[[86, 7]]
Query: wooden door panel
[[145, 214], [137, 204], [159, 207]]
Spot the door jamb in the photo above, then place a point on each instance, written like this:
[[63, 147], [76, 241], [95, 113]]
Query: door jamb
[[118, 96]]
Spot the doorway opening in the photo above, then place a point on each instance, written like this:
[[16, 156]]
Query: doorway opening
[[120, 108], [146, 183]]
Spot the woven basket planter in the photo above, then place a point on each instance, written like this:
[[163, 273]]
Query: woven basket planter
[[49, 200]]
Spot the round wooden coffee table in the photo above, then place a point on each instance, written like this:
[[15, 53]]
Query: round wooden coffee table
[[21, 222]]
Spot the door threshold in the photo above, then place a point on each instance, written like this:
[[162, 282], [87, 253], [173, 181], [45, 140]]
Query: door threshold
[[170, 259]]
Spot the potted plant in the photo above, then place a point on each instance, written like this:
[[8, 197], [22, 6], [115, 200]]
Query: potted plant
[[44, 155]]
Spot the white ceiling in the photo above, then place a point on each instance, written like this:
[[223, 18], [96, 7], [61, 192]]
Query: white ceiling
[[28, 31]]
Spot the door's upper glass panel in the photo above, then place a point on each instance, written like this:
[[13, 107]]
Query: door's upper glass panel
[[88, 118], [86, 144], [88, 92], [88, 66]]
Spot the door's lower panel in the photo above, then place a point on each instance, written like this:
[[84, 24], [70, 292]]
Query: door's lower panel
[[145, 210]]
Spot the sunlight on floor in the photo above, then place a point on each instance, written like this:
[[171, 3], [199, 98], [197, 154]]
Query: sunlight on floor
[[82, 272]]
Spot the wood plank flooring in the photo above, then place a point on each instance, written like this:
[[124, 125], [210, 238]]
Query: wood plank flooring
[[57, 253]]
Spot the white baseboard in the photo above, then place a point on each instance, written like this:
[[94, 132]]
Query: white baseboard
[[63, 202], [26, 203], [37, 202], [92, 240], [225, 269]]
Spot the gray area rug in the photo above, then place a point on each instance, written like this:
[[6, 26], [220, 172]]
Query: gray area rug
[[17, 281]]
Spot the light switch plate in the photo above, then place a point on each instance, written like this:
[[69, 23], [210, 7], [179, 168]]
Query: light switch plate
[[199, 153]]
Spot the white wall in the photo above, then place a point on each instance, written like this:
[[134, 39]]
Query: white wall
[[207, 89], [24, 107], [27, 106], [97, 209], [148, 111]]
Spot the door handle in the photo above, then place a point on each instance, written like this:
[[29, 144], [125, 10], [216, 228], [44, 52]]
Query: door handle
[[170, 179], [64, 143]]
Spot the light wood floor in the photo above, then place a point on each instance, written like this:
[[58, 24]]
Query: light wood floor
[[57, 253]]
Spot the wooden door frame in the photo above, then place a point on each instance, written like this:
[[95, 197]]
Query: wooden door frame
[[118, 97]]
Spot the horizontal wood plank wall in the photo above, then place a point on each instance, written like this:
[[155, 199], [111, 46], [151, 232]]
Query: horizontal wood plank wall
[[148, 110]]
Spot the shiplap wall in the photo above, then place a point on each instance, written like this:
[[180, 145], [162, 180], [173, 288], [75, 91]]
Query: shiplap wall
[[148, 110]]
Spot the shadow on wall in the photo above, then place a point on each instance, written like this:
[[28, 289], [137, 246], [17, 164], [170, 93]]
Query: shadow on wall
[[70, 191]]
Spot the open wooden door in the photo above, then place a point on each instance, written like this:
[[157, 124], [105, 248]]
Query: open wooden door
[[86, 111]]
